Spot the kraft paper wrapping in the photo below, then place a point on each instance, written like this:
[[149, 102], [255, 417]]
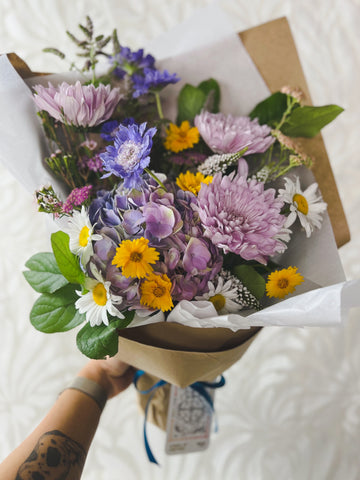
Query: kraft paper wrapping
[[182, 355]]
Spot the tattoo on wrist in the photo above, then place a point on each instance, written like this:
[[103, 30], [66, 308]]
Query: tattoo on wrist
[[55, 457]]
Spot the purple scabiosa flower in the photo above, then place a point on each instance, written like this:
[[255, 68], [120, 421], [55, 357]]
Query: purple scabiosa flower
[[77, 105], [129, 155], [152, 79], [228, 134], [128, 62], [241, 217]]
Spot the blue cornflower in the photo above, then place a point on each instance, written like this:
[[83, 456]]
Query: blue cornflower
[[151, 79], [129, 155], [129, 62]]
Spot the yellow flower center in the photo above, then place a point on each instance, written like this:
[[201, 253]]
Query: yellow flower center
[[99, 294], [84, 236], [301, 202], [218, 301], [136, 256], [283, 283], [159, 291]]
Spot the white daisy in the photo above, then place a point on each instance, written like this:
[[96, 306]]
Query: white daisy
[[98, 301], [81, 235], [222, 297], [307, 205]]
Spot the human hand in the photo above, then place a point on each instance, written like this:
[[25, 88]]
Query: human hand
[[112, 374]]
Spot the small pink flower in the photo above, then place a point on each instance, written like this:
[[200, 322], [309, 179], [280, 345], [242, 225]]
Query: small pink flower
[[228, 134], [78, 105]]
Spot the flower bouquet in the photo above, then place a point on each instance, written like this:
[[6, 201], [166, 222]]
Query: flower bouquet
[[179, 228]]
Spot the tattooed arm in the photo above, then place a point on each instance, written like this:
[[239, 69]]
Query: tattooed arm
[[57, 448]]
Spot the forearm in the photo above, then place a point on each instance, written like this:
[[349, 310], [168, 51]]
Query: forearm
[[57, 448]]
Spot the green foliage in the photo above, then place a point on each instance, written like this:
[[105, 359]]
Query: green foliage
[[44, 275], [271, 110], [192, 99], [308, 121], [68, 262], [252, 280], [99, 341], [56, 312]]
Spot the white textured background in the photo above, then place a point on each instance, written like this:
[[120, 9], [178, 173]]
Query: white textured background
[[291, 406]]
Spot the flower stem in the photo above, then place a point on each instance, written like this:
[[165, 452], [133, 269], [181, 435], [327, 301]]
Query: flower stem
[[152, 174], [158, 105]]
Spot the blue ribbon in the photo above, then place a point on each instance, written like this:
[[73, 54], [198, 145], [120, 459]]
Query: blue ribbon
[[199, 387]]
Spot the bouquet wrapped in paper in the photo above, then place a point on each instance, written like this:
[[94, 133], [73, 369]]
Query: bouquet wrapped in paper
[[189, 199]]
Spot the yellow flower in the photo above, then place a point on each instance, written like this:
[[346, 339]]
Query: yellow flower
[[155, 292], [181, 138], [282, 282], [191, 182], [134, 257]]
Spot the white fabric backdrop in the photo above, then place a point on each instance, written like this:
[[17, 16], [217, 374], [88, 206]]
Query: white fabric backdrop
[[291, 406]]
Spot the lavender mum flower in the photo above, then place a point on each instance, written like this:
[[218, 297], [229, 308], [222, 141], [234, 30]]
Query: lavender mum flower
[[129, 155], [78, 105], [228, 134], [241, 217]]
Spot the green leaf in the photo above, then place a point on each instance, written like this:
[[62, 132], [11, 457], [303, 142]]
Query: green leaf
[[190, 102], [211, 89], [44, 275], [270, 110], [308, 121], [99, 341], [252, 280], [68, 262], [56, 312]]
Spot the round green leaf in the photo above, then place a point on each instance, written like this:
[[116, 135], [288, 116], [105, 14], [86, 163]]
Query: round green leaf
[[44, 275], [56, 312]]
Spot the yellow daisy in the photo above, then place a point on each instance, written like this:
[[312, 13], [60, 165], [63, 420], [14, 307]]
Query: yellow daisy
[[134, 257], [282, 282], [155, 292], [191, 182], [181, 138]]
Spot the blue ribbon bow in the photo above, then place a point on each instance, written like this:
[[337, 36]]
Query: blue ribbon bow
[[199, 387]]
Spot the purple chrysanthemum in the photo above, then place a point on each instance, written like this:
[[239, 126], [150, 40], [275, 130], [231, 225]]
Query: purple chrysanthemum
[[78, 105], [228, 134], [241, 217], [129, 155], [152, 79], [128, 62]]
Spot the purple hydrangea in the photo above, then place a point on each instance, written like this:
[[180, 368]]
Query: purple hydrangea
[[241, 217], [78, 105], [228, 134], [129, 155]]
